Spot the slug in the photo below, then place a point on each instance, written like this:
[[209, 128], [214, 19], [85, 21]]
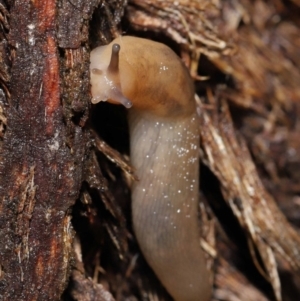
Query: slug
[[150, 79]]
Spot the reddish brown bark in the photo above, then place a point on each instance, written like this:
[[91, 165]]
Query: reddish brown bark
[[41, 157]]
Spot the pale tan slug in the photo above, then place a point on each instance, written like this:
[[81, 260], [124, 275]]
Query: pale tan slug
[[164, 141]]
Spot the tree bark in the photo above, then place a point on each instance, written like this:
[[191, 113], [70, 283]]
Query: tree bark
[[43, 145]]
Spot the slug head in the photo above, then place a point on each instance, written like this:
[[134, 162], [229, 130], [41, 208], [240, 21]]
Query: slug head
[[105, 79], [143, 74]]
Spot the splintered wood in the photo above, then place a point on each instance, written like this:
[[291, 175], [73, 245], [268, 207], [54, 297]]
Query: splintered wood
[[226, 154], [185, 22], [233, 286]]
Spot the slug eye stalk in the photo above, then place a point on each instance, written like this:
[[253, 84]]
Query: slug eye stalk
[[113, 67]]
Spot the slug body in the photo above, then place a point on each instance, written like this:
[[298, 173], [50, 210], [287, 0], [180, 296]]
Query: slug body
[[164, 142]]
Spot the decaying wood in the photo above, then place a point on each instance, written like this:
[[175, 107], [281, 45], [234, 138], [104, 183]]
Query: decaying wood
[[186, 22], [82, 288], [115, 157], [233, 286], [85, 289], [268, 230]]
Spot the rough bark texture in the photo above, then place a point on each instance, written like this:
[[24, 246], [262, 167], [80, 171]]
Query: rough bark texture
[[41, 157]]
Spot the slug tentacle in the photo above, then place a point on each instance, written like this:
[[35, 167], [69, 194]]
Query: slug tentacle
[[113, 67], [164, 142]]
